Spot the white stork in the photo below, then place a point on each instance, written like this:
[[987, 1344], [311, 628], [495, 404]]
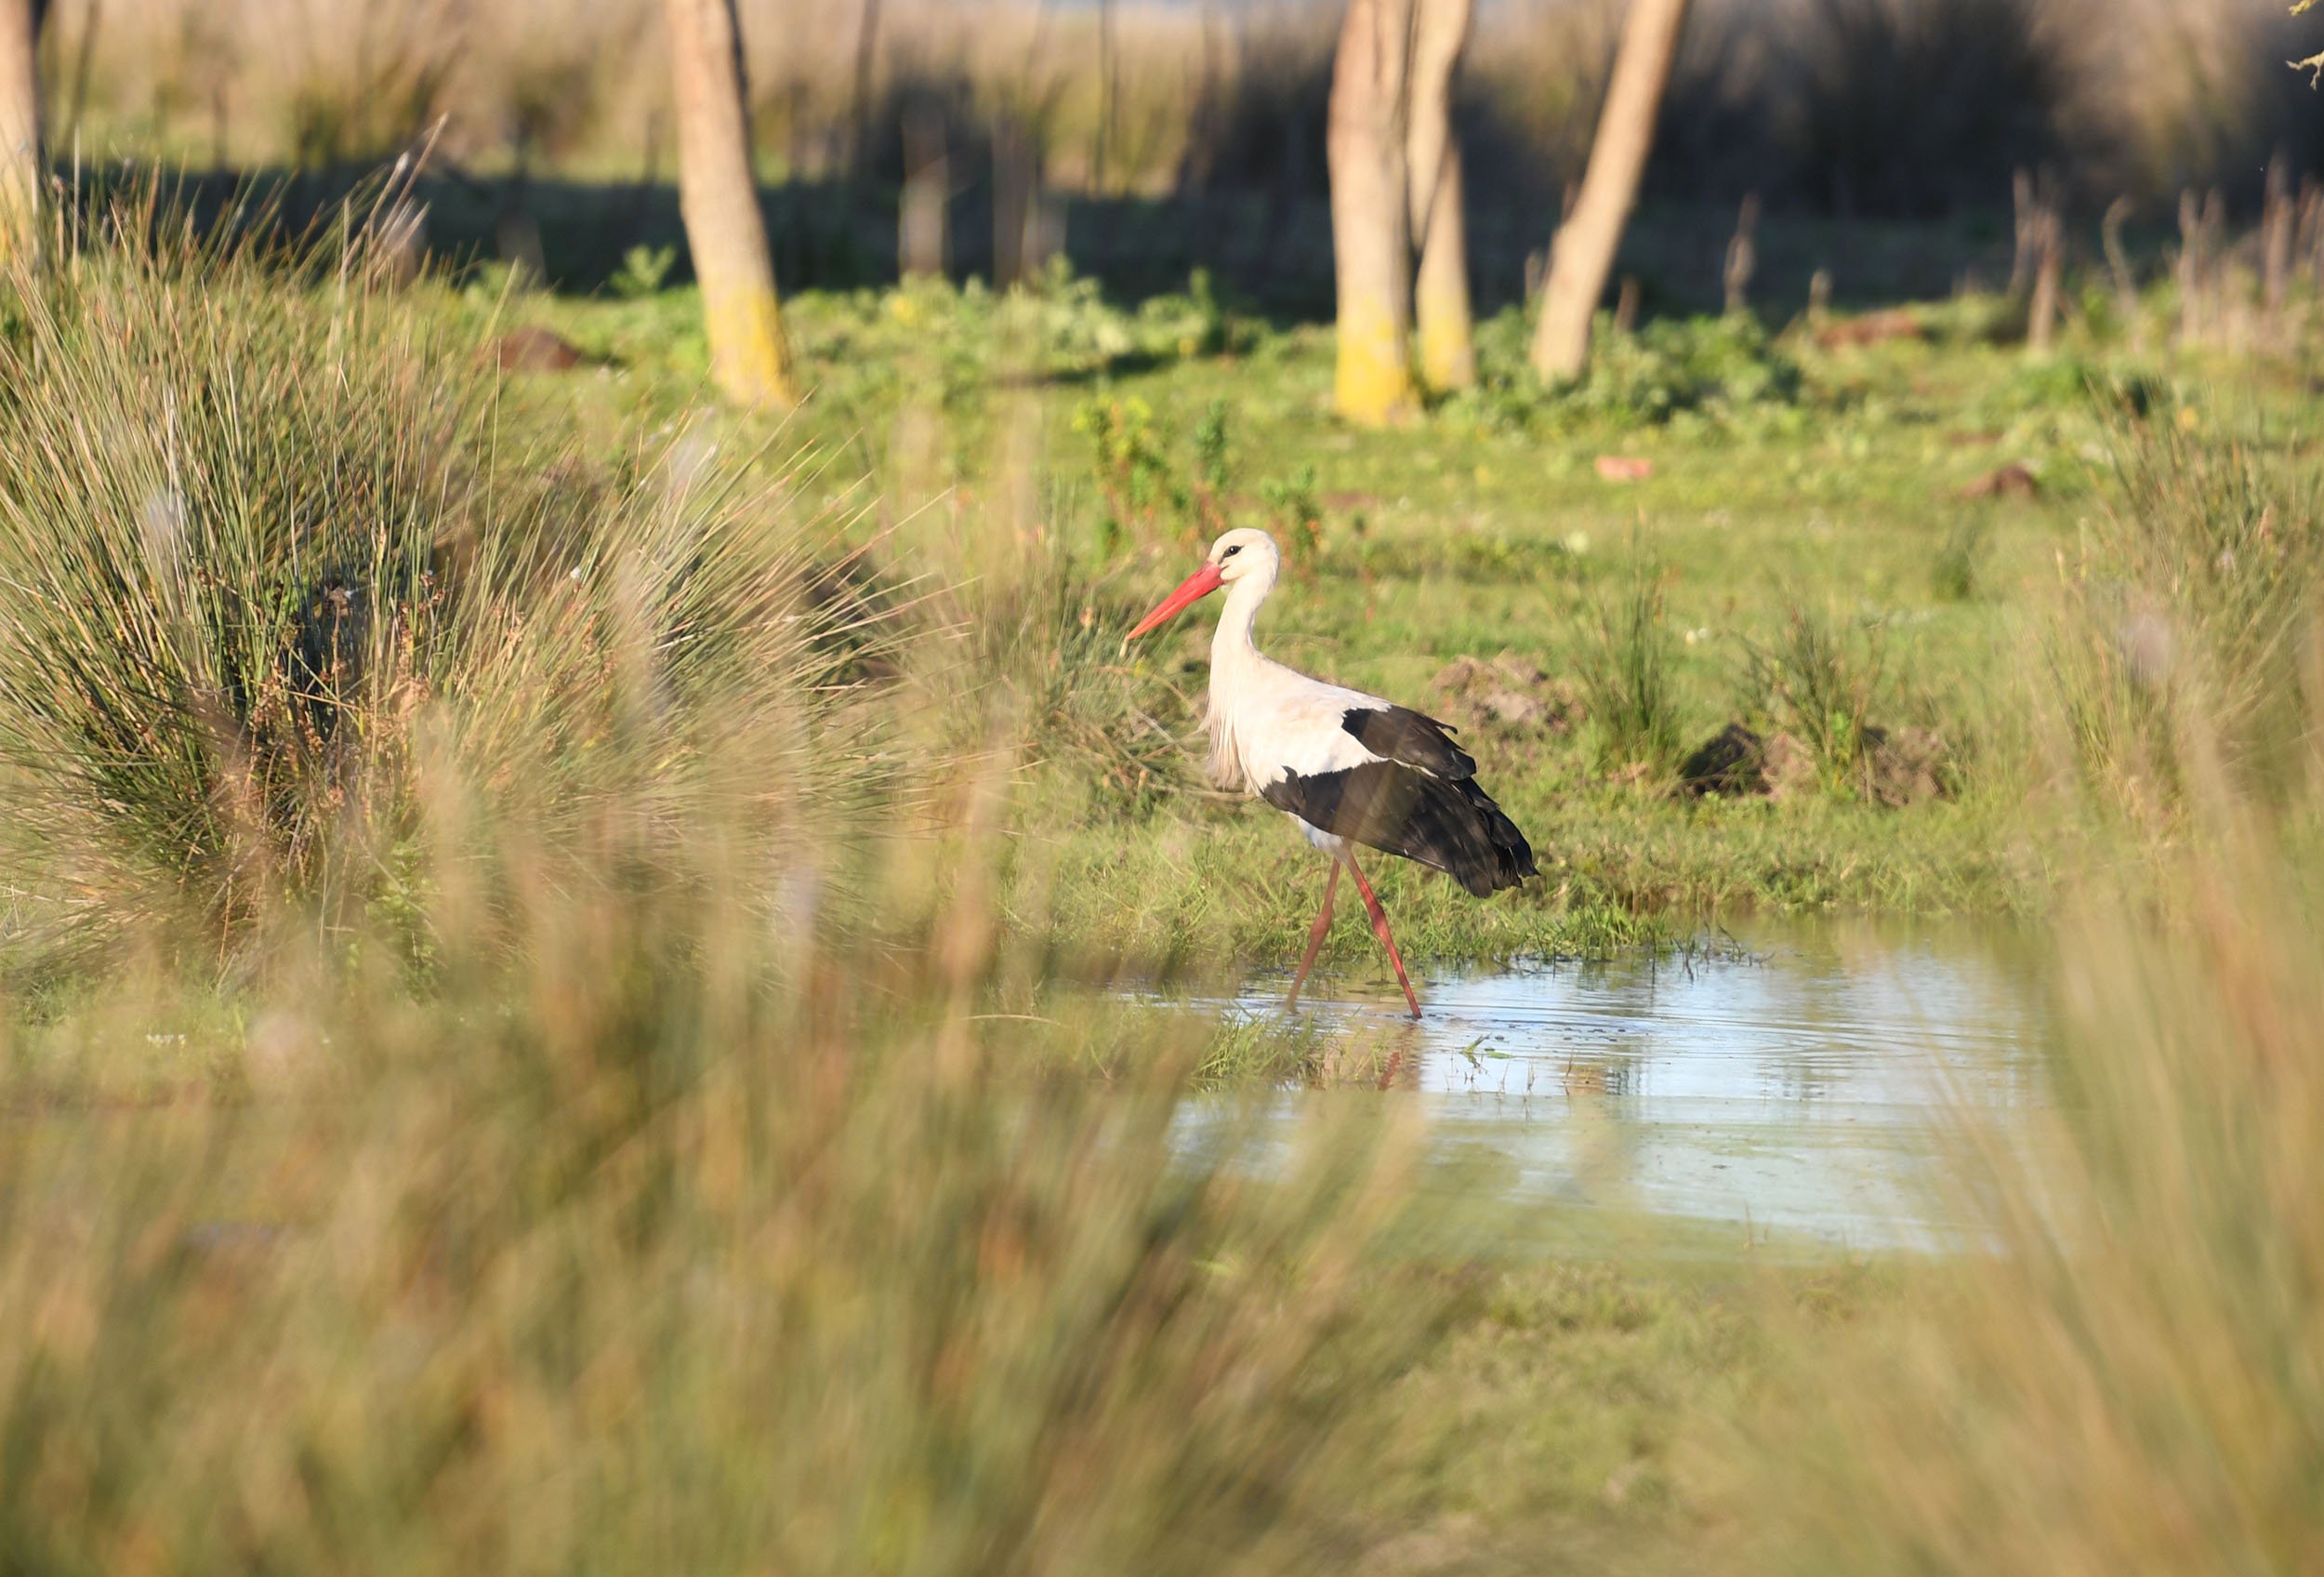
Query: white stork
[[1348, 768]]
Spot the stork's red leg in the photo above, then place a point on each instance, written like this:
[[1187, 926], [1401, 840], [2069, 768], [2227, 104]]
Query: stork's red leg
[[1379, 929], [1315, 937]]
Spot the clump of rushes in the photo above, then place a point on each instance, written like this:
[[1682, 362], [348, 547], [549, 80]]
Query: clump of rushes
[[265, 538], [1626, 674], [1114, 729], [1820, 680], [2196, 600]]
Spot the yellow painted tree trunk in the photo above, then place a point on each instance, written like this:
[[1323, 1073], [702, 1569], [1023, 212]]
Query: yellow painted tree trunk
[[21, 167], [1371, 222], [1448, 342], [750, 359], [1583, 255]]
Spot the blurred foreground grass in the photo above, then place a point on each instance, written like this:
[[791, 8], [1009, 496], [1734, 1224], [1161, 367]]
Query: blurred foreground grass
[[550, 1022]]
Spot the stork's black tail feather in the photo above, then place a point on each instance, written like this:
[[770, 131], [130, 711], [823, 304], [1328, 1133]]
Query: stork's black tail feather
[[1458, 829], [1449, 824]]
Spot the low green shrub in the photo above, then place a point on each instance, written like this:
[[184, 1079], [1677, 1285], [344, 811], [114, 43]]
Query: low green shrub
[[1723, 370]]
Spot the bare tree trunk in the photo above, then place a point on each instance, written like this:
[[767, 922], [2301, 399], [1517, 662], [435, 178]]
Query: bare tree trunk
[[2276, 233], [20, 163], [2024, 206], [84, 60], [725, 231], [1108, 89], [2190, 270], [1448, 348], [1742, 257], [2049, 269], [922, 214], [859, 110], [1582, 257], [2119, 264], [1371, 220]]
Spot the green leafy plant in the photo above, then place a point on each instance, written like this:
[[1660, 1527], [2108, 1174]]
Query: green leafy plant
[[1128, 463], [1717, 365], [1144, 484], [1295, 512], [642, 270]]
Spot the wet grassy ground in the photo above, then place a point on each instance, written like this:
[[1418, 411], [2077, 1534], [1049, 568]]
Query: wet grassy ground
[[1840, 489]]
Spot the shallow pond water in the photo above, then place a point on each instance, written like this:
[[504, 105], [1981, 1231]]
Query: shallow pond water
[[1791, 1083]]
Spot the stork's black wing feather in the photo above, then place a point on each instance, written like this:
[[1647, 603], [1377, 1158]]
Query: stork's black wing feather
[[1399, 734], [1449, 824]]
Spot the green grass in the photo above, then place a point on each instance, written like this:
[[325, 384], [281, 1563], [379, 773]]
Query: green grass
[[1485, 529]]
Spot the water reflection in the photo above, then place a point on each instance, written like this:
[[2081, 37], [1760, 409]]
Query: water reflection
[[1792, 1084]]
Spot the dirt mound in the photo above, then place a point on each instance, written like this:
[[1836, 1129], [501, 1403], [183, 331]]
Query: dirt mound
[[1905, 766], [534, 348], [2012, 481], [1898, 767], [1507, 693]]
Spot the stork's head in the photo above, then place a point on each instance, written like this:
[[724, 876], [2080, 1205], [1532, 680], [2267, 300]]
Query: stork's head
[[1239, 555]]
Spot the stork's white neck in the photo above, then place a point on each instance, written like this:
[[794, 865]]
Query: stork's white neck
[[1231, 646], [1237, 671]]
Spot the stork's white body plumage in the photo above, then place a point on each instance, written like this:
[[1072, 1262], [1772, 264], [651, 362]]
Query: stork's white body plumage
[[1347, 767]]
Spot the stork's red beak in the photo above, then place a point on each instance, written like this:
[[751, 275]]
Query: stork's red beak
[[1192, 590]]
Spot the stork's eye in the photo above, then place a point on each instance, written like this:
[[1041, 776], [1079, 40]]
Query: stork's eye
[[1232, 551]]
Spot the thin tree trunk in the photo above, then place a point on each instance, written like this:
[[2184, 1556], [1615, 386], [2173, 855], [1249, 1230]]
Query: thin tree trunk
[[1448, 348], [1109, 87], [1742, 257], [867, 59], [2049, 269], [2119, 263], [1582, 257], [20, 163], [2023, 205], [1371, 221], [726, 232], [2190, 270], [2276, 231], [84, 60], [922, 212]]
